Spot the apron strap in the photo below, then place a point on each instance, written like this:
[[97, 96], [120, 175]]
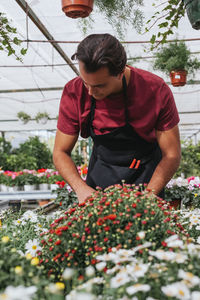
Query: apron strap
[[93, 104]]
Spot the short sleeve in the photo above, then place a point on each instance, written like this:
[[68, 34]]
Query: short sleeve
[[168, 116], [68, 120]]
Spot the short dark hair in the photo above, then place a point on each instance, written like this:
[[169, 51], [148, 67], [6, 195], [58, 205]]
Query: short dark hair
[[101, 50]]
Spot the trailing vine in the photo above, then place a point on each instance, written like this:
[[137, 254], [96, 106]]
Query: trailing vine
[[8, 38]]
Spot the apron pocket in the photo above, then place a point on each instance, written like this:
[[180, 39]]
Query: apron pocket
[[104, 174]]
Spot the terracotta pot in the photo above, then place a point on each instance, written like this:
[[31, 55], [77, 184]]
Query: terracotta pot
[[193, 12], [77, 8], [178, 78], [43, 202]]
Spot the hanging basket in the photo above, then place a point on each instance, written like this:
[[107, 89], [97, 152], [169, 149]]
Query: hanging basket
[[77, 8], [193, 12], [178, 78]]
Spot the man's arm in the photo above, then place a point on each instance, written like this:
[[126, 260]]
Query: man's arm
[[169, 142], [64, 144]]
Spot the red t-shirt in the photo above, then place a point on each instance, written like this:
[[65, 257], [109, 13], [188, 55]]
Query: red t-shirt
[[151, 107]]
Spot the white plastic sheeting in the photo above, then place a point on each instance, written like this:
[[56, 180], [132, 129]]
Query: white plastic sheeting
[[43, 67]]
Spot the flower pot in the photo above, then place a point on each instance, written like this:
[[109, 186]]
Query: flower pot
[[193, 12], [43, 186], [178, 78], [53, 186], [77, 8], [43, 202], [4, 188], [29, 187]]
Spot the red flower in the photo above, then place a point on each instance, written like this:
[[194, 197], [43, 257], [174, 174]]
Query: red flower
[[134, 205], [58, 242], [164, 244], [110, 217], [107, 228], [137, 215]]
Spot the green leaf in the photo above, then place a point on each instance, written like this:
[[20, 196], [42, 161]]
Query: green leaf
[[153, 39], [23, 51]]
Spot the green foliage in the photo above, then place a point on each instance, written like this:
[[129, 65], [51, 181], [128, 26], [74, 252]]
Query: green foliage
[[41, 115], [33, 147], [77, 158], [167, 19], [190, 161], [5, 149], [119, 14], [24, 117], [8, 38], [20, 161], [175, 57]]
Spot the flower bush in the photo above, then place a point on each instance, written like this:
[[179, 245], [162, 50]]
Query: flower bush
[[187, 190], [111, 218], [122, 243]]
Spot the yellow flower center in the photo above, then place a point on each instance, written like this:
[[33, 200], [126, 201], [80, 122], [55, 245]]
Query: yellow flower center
[[34, 247], [181, 292]]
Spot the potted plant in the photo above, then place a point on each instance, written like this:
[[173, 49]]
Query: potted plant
[[193, 12], [77, 8], [42, 117], [23, 117], [175, 59]]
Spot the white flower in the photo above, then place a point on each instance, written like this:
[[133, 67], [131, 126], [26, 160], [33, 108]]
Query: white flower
[[18, 293], [178, 290], [119, 280], [89, 271], [100, 266], [138, 287], [68, 273], [137, 270], [198, 240], [195, 295], [31, 216], [192, 279], [32, 246], [169, 256], [141, 234], [19, 222]]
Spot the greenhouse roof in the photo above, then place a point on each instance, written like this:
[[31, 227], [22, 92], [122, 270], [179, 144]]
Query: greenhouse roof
[[36, 84]]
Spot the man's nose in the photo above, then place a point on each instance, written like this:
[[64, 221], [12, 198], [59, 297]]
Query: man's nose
[[91, 90]]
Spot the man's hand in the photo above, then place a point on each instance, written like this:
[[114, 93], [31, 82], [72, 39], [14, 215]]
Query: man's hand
[[84, 193]]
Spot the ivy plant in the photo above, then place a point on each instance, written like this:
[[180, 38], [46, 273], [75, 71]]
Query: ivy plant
[[9, 39]]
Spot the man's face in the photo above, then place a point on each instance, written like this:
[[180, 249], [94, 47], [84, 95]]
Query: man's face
[[100, 84]]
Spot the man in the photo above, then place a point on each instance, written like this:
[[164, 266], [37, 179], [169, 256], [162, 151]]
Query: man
[[130, 115]]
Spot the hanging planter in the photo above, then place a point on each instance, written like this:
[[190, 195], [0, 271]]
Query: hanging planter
[[77, 8], [178, 78], [193, 12], [23, 117], [42, 117]]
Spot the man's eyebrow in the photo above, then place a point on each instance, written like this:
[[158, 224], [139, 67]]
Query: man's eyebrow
[[97, 85]]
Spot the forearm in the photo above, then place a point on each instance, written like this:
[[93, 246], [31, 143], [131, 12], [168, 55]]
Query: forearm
[[163, 173], [67, 169]]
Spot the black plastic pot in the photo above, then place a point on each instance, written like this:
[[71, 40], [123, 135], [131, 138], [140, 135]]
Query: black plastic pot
[[193, 12]]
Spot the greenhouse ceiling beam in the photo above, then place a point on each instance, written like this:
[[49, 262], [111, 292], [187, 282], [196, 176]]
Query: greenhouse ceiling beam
[[31, 90], [26, 8]]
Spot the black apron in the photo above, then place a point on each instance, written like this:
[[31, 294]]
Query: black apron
[[114, 152]]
